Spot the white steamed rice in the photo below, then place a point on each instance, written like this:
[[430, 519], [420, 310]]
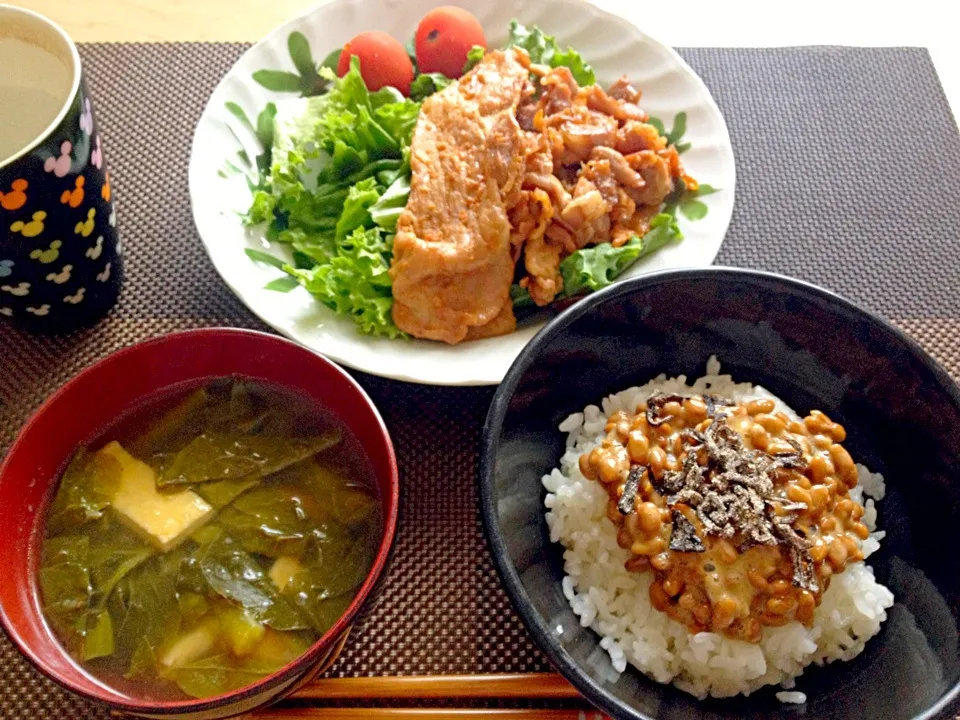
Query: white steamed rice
[[616, 603]]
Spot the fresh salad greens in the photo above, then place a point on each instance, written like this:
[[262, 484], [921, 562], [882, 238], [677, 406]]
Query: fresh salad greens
[[593, 268], [333, 159], [427, 84], [335, 176], [544, 50], [596, 267]]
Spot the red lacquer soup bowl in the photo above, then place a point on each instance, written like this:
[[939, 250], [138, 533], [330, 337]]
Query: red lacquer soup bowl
[[78, 413]]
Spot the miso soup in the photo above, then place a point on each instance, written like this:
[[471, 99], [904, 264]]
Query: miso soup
[[207, 540]]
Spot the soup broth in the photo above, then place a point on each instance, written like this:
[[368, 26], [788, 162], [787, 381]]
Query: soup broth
[[207, 540]]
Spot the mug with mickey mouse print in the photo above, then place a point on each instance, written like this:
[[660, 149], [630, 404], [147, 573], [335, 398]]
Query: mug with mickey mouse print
[[60, 253]]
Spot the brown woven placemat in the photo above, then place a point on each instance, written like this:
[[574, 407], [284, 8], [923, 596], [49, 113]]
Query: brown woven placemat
[[848, 167]]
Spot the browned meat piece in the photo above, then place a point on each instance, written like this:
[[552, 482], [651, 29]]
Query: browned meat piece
[[597, 171], [527, 108], [597, 99], [594, 232], [530, 217], [672, 158], [502, 324], [573, 133], [568, 175], [453, 265], [629, 111], [636, 136], [539, 70], [525, 115], [619, 166], [551, 185], [583, 186], [643, 216], [559, 89], [624, 208], [559, 234], [581, 213], [636, 225], [541, 193], [522, 223], [657, 182], [542, 262], [586, 206], [538, 160], [538, 171], [621, 235], [541, 258], [623, 90]]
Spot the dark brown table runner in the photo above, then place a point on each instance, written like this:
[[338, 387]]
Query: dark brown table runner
[[848, 165]]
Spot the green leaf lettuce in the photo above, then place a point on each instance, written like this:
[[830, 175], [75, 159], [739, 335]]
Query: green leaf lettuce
[[596, 267], [543, 49]]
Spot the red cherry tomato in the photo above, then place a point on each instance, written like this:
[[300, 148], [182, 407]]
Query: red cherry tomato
[[383, 61], [443, 39]]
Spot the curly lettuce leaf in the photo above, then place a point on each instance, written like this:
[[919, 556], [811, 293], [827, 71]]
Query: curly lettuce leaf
[[330, 138], [355, 282], [347, 269], [335, 159], [663, 231], [262, 207], [570, 58], [596, 267], [379, 124], [356, 209], [426, 84], [474, 55], [386, 211], [292, 137], [543, 49], [399, 119]]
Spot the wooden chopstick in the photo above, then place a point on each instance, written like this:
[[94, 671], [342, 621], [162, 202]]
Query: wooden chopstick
[[327, 713], [537, 686]]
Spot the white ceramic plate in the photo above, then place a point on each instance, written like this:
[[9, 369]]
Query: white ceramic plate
[[611, 44]]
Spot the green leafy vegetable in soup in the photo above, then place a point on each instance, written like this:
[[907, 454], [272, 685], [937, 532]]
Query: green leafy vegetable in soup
[[206, 546]]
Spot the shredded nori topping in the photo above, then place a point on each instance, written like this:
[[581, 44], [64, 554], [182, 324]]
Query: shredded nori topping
[[731, 489], [715, 401], [804, 576], [684, 536], [655, 405], [626, 504]]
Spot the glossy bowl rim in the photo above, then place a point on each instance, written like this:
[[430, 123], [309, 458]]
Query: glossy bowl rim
[[493, 425], [305, 660]]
